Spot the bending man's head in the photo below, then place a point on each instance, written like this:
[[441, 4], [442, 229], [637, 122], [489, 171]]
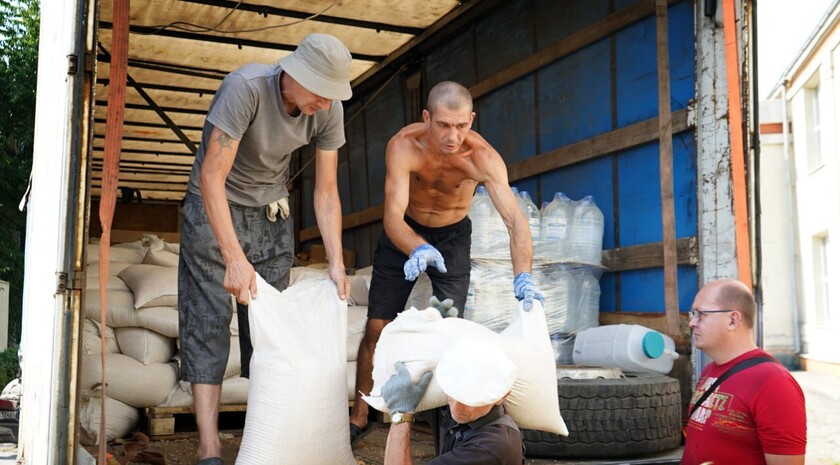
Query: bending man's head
[[476, 376], [449, 116]]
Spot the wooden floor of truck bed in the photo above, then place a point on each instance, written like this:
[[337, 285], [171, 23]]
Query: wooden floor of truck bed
[[371, 449]]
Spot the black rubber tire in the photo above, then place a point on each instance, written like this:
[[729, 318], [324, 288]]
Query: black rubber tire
[[606, 418]]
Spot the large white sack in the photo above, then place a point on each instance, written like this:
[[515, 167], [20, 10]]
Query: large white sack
[[419, 338], [120, 419], [297, 399], [128, 380], [144, 345]]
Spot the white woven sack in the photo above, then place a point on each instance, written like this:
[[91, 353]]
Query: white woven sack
[[297, 398], [419, 338], [91, 343], [120, 419], [144, 345], [129, 381]]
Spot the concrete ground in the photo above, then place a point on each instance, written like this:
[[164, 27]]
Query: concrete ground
[[822, 403]]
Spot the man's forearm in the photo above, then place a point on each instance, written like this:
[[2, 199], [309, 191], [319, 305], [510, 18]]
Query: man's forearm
[[328, 215], [398, 445], [521, 252], [401, 234]]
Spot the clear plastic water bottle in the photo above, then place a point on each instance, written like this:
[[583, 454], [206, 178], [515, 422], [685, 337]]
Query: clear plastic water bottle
[[588, 299], [587, 232], [529, 209], [554, 228], [489, 234]]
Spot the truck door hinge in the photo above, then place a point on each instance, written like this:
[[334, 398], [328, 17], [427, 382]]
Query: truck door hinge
[[72, 64], [60, 282]]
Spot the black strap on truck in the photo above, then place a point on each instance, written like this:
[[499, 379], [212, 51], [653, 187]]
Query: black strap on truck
[[750, 362]]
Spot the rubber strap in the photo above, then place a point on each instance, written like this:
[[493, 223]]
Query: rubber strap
[[110, 176]]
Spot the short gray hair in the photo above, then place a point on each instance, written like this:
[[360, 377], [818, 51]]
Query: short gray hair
[[449, 95]]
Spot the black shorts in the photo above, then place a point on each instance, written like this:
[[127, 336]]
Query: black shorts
[[204, 307], [389, 290]]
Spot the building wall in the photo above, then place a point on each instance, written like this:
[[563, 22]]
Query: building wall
[[778, 274], [814, 103]]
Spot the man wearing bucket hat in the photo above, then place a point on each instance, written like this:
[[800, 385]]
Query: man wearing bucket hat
[[477, 377], [236, 213]]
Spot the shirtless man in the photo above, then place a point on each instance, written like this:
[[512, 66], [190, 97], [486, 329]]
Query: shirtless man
[[433, 169]]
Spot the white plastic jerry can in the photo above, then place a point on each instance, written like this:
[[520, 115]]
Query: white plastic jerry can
[[627, 347]]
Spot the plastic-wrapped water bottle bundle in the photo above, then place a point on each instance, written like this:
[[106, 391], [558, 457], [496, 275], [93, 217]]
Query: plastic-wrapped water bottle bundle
[[571, 294], [489, 235]]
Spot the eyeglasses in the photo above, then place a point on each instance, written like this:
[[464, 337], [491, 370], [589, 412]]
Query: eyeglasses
[[699, 314]]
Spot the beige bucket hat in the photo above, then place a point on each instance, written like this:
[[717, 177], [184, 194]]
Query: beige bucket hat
[[475, 372], [321, 64]]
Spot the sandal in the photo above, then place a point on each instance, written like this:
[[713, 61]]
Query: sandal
[[133, 451], [357, 433]]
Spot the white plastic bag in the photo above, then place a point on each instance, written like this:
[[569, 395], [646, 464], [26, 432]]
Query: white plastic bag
[[297, 398], [419, 337]]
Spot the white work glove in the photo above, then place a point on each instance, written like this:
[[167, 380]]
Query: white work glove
[[281, 206]]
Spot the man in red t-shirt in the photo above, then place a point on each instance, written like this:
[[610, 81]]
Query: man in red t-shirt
[[756, 416]]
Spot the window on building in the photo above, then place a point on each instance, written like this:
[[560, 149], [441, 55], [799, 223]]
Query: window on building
[[821, 278], [813, 122]]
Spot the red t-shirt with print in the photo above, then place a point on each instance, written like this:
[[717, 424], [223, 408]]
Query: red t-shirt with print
[[759, 410]]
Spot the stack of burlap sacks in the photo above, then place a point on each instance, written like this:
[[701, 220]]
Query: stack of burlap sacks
[[141, 331]]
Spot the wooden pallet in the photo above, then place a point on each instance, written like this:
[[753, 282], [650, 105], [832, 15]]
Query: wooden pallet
[[162, 419]]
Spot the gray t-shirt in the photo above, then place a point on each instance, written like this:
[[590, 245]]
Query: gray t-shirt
[[248, 107]]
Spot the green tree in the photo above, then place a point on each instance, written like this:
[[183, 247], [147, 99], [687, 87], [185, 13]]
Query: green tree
[[19, 28]]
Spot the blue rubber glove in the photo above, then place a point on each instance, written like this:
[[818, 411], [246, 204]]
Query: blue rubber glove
[[526, 291], [422, 257], [401, 394], [445, 308]]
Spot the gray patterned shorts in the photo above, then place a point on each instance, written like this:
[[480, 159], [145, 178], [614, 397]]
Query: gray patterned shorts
[[204, 307]]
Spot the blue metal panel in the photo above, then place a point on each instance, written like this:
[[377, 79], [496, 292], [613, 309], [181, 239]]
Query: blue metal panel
[[575, 97], [383, 119], [506, 120], [607, 302], [504, 38], [640, 203], [685, 184], [558, 20], [357, 157], [644, 290], [636, 65], [589, 178], [452, 61]]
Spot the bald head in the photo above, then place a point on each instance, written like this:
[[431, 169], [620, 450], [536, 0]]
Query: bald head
[[449, 95], [733, 295]]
